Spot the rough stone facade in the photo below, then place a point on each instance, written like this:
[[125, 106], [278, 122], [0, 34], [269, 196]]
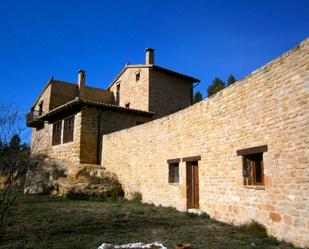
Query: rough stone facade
[[64, 152], [167, 93], [133, 98], [155, 91], [109, 122], [136, 93], [269, 107]]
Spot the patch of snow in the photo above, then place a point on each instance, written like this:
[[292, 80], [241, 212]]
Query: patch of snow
[[195, 211], [139, 245]]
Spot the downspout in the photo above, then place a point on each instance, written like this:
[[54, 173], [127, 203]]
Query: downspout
[[192, 91], [99, 147]]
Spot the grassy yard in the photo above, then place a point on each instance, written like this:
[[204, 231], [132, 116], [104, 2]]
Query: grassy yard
[[48, 223]]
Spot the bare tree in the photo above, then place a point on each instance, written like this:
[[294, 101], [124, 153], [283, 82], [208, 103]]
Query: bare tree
[[15, 162]]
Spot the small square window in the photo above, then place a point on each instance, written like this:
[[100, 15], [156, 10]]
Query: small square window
[[137, 76], [173, 173], [253, 169], [41, 108]]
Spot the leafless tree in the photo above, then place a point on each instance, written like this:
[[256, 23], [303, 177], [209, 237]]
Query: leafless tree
[[15, 162]]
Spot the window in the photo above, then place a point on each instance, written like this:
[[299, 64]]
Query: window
[[173, 173], [253, 171], [41, 108], [137, 76], [57, 127], [68, 130], [253, 165], [118, 93], [127, 105]]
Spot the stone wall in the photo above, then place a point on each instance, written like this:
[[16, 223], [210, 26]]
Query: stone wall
[[168, 93], [61, 93], [45, 97], [109, 121], [64, 152], [131, 91], [269, 107], [99, 95]]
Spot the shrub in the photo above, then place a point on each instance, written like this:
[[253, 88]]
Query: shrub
[[254, 228], [106, 196], [137, 197], [205, 216], [191, 215]]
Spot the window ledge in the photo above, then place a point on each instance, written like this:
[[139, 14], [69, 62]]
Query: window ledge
[[174, 184], [70, 142], [255, 187]]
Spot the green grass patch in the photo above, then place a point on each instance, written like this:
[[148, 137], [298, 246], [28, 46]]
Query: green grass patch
[[38, 222]]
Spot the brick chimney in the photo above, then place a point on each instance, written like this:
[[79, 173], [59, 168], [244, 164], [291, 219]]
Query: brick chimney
[[149, 56], [81, 82]]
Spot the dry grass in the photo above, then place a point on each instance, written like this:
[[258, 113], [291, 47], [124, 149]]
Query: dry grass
[[55, 223]]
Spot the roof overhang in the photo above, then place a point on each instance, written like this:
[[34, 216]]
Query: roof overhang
[[155, 67], [76, 105]]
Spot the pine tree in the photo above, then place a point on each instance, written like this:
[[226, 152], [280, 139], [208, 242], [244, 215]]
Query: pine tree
[[230, 80], [197, 97], [15, 143], [217, 85]]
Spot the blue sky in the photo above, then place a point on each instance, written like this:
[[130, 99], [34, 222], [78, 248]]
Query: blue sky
[[203, 39]]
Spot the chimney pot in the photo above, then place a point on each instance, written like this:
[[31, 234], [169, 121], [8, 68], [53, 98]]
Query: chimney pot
[[149, 56]]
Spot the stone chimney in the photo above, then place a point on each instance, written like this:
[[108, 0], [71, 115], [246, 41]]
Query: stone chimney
[[81, 82], [149, 56]]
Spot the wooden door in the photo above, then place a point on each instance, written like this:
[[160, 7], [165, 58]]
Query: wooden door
[[192, 185]]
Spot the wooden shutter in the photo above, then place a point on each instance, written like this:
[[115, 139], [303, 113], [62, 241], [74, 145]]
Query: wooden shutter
[[170, 173], [248, 171], [57, 127], [68, 130]]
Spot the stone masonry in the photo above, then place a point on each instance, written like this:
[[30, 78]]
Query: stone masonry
[[129, 101], [269, 107]]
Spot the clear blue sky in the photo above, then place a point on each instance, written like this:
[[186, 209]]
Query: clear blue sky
[[203, 39]]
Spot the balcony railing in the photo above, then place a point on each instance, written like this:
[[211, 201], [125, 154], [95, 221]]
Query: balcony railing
[[33, 119]]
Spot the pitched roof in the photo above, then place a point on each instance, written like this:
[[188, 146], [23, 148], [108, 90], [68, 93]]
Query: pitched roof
[[158, 68], [78, 102], [50, 81]]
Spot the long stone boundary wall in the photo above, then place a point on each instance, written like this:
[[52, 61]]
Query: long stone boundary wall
[[269, 107]]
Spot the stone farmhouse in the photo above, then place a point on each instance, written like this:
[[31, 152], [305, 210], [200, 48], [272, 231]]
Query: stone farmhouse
[[69, 119], [240, 155]]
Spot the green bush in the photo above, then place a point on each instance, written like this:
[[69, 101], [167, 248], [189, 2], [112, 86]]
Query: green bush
[[254, 228], [137, 197]]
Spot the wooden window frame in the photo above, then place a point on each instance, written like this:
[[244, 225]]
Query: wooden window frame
[[253, 166], [57, 130], [173, 177], [68, 129]]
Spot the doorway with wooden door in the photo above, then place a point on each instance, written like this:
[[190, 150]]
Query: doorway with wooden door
[[192, 185]]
